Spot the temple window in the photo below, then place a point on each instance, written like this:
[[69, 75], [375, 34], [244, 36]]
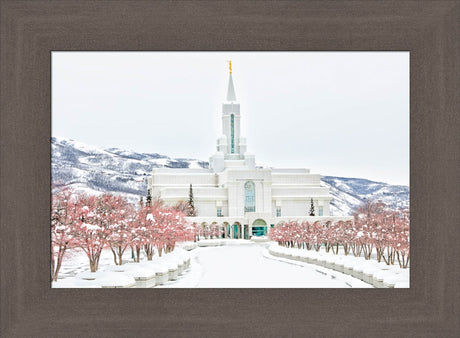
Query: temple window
[[278, 212], [249, 197]]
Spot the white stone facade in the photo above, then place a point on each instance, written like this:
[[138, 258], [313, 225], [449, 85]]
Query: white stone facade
[[245, 199]]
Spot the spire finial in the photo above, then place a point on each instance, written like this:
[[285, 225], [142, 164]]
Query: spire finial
[[231, 91]]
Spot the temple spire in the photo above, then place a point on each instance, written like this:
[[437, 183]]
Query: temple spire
[[231, 90]]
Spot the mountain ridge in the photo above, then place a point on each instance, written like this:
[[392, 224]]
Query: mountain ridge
[[93, 170]]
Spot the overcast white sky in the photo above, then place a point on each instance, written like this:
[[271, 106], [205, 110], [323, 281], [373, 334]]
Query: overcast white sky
[[337, 113]]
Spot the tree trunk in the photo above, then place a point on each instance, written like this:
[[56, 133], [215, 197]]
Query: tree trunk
[[407, 261], [357, 250], [120, 255], [92, 265], [58, 267], [379, 254], [367, 250], [148, 251], [60, 257], [402, 260], [114, 256], [97, 261]]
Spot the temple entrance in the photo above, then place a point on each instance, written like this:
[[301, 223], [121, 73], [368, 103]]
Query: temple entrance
[[259, 227]]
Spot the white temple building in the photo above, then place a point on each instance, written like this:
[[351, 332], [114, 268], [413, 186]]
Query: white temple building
[[246, 200]]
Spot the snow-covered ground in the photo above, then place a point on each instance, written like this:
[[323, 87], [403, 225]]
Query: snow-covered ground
[[75, 272], [245, 264], [236, 264], [379, 274]]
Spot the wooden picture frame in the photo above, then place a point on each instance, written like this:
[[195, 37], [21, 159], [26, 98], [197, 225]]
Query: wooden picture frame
[[30, 30]]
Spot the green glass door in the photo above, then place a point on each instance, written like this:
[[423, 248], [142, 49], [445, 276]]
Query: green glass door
[[259, 231], [259, 227]]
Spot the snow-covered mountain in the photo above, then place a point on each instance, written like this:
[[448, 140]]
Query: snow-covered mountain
[[350, 193], [90, 169], [94, 170]]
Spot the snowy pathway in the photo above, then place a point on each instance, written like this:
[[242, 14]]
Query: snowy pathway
[[248, 265]]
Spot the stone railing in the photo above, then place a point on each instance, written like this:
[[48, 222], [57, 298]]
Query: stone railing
[[260, 239], [377, 274], [210, 242], [146, 274]]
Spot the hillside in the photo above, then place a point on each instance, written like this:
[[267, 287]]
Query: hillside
[[93, 170]]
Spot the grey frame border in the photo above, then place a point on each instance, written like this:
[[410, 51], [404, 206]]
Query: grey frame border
[[430, 30]]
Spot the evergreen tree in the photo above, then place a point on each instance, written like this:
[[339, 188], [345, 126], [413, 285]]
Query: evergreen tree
[[149, 198], [312, 208], [191, 205]]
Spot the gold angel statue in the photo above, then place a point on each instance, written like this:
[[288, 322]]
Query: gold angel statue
[[230, 66]]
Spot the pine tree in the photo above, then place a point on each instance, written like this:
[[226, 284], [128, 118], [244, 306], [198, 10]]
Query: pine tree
[[191, 205], [312, 208], [149, 198]]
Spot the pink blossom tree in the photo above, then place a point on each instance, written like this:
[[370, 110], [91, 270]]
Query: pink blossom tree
[[329, 236], [92, 230], [276, 234], [305, 231], [172, 225], [195, 229], [64, 215], [146, 228], [214, 230], [345, 236], [136, 233], [355, 243], [367, 218], [286, 234], [402, 239], [205, 231], [119, 223], [189, 232], [315, 235], [375, 227]]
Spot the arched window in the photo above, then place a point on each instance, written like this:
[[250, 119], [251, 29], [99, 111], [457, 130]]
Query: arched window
[[249, 197]]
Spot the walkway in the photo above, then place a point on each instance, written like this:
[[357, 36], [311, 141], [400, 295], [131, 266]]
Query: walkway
[[244, 264]]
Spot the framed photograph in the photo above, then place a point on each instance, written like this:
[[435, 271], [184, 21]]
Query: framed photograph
[[47, 44], [212, 211]]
